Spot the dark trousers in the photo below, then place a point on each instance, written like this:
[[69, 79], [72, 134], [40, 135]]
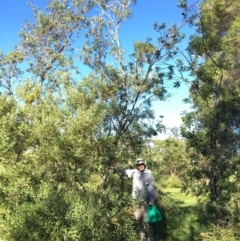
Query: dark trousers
[[144, 228]]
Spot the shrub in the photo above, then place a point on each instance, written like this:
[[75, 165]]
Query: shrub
[[172, 181]]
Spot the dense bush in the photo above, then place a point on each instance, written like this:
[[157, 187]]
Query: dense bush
[[85, 214]]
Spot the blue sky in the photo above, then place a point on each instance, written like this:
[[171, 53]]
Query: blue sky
[[146, 12]]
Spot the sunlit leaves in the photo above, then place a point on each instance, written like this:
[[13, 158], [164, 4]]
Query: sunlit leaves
[[144, 51], [212, 128], [61, 132]]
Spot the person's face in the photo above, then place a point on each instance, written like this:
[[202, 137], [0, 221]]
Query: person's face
[[141, 167]]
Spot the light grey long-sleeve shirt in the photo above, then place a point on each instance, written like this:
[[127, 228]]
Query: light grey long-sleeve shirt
[[143, 184]]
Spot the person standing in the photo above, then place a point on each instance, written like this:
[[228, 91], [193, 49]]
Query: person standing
[[143, 194]]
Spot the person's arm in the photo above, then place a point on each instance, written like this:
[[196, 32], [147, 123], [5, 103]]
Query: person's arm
[[129, 172], [126, 172], [151, 190]]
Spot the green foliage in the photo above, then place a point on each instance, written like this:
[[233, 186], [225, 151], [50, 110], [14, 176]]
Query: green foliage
[[186, 219], [180, 222], [80, 219], [211, 129], [61, 133], [170, 158], [172, 181], [230, 233]]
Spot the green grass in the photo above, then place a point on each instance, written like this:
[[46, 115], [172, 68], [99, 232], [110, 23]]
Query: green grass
[[184, 219], [176, 194], [180, 216]]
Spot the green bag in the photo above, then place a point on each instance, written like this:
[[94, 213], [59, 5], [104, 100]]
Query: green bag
[[154, 214]]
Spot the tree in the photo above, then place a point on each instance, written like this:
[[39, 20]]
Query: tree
[[212, 128], [170, 158], [62, 132]]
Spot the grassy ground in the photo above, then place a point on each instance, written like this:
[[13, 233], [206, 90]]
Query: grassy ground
[[184, 219], [180, 218], [184, 199]]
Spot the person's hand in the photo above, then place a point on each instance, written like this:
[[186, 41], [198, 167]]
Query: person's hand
[[150, 203]]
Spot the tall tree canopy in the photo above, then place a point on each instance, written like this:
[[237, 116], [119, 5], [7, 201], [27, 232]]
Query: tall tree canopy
[[212, 129]]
